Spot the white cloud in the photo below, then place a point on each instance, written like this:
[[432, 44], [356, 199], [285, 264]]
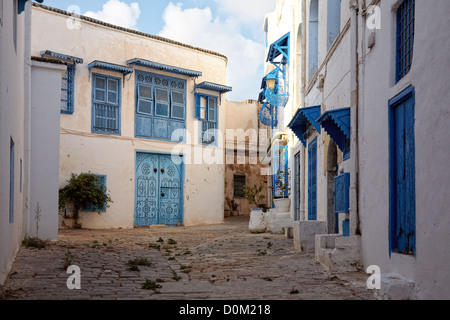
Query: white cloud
[[199, 28], [247, 11], [118, 13]]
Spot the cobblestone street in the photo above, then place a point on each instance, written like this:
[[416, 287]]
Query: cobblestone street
[[197, 263]]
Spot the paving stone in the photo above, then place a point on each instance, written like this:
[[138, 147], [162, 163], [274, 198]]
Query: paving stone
[[225, 262]]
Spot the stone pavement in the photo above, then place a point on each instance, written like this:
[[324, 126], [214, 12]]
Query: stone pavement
[[187, 263]]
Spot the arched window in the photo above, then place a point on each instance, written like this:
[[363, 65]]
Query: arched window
[[333, 21], [313, 38]]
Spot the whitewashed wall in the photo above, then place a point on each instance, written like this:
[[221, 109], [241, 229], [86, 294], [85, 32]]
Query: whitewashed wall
[[430, 77], [13, 111]]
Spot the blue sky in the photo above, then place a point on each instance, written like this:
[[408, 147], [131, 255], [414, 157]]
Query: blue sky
[[231, 27]]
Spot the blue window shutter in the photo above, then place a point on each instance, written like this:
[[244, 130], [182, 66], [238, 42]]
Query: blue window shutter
[[402, 173], [68, 91], [106, 111], [89, 207], [160, 112]]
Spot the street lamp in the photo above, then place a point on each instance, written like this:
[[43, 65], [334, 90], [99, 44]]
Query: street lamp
[[271, 80]]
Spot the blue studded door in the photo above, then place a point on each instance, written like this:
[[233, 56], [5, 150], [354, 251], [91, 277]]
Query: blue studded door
[[158, 191]]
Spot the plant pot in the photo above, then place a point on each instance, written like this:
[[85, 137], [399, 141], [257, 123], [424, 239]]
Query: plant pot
[[257, 223], [282, 205]]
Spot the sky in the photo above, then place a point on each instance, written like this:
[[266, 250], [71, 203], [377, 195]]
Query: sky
[[231, 27]]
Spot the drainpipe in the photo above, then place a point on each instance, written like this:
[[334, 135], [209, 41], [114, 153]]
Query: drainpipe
[[26, 182], [354, 104], [303, 77]]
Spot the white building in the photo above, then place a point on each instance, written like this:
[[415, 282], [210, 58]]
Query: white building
[[367, 106], [29, 139], [144, 113]]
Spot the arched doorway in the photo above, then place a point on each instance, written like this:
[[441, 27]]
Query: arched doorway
[[332, 169]]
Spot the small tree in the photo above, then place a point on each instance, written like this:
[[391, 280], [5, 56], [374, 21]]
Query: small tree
[[254, 196], [84, 190]]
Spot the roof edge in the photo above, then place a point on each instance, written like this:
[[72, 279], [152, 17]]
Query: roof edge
[[109, 25]]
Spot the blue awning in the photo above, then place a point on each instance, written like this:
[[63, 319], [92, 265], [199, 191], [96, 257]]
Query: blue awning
[[337, 124], [279, 47], [111, 67], [21, 5], [213, 87], [61, 56], [163, 67], [303, 119]]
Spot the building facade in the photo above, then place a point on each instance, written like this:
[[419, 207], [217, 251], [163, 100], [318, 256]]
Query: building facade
[[144, 113], [366, 106]]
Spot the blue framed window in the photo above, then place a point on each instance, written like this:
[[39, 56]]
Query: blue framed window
[[160, 107], [106, 105], [68, 90], [11, 181], [405, 38], [90, 207], [206, 111], [402, 193]]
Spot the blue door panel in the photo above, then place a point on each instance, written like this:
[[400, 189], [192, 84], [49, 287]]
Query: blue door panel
[[402, 171], [312, 180], [158, 191]]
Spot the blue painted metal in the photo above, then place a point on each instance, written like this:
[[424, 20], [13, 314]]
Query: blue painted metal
[[106, 101], [268, 115], [312, 180], [279, 47], [160, 107], [90, 207], [11, 180], [342, 193], [405, 38], [213, 87], [402, 199], [346, 228], [110, 67], [159, 190], [279, 96], [302, 120], [163, 67], [337, 124], [61, 56], [21, 5]]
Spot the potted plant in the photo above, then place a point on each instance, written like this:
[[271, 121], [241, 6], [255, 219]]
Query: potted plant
[[84, 190], [257, 223], [283, 191]]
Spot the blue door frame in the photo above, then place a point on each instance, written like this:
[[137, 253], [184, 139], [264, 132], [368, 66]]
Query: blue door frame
[[312, 180], [159, 190], [402, 193]]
